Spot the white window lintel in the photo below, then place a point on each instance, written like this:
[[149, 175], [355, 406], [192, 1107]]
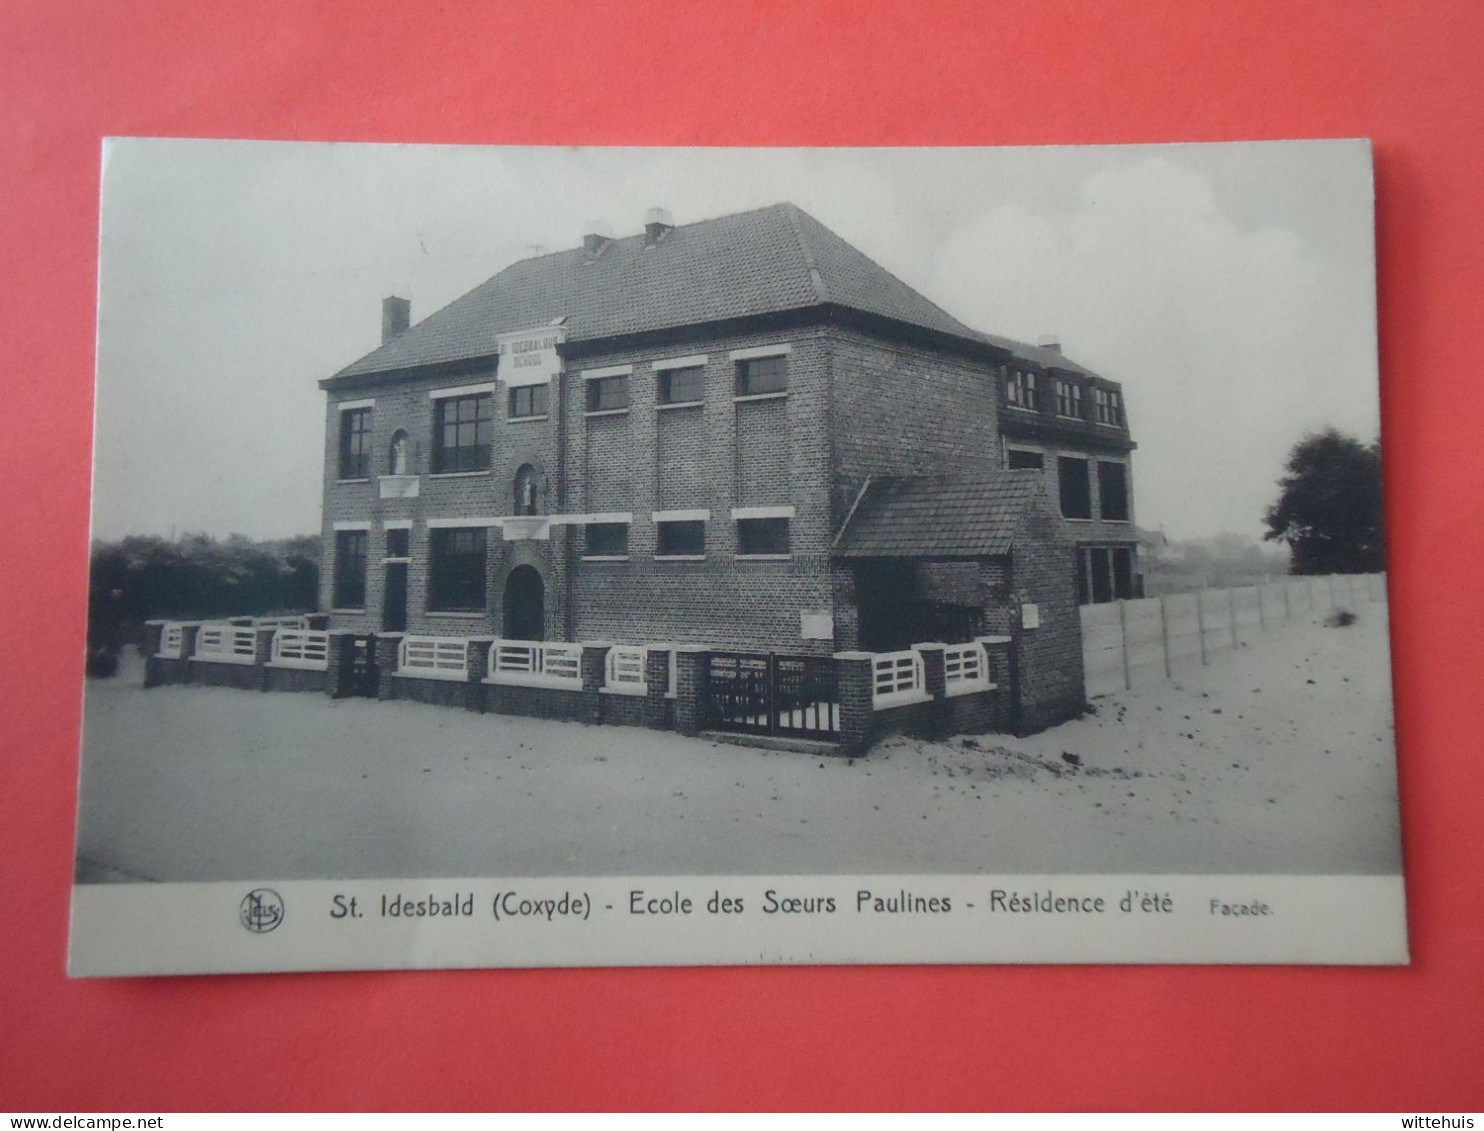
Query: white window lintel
[[749, 354], [346, 406], [397, 524], [462, 391], [690, 362], [607, 371], [339, 526], [739, 513], [681, 516], [461, 523]]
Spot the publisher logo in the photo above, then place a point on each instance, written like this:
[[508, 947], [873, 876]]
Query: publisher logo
[[261, 910]]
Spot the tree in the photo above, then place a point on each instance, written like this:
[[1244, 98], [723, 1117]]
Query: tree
[[1329, 509]]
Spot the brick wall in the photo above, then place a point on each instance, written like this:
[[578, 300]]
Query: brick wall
[[1047, 661], [906, 410], [719, 455]]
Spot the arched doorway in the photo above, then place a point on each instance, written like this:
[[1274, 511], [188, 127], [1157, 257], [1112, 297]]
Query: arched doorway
[[525, 612]]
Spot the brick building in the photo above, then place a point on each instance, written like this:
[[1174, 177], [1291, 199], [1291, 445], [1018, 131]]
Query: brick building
[[740, 433]]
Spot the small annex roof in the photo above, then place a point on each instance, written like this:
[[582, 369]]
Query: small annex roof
[[1041, 355], [765, 261], [938, 517]]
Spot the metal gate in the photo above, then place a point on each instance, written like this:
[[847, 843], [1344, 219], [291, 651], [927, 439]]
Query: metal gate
[[757, 693], [359, 675]]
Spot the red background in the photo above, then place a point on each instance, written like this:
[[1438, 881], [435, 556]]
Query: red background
[[1404, 74]]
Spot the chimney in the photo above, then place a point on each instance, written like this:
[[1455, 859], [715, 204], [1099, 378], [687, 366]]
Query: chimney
[[657, 225], [596, 235], [1050, 342], [396, 316]]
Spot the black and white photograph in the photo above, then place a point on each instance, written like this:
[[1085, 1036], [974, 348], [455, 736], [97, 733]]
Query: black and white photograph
[[621, 556]]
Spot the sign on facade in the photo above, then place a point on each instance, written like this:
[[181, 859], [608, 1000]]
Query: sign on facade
[[529, 357]]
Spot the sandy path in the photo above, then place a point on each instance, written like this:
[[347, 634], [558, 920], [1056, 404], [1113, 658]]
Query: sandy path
[[1278, 758]]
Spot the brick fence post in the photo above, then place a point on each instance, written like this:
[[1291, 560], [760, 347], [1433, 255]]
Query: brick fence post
[[387, 648], [689, 665], [263, 652], [479, 666], [935, 683], [594, 673], [187, 650], [336, 665], [154, 633], [854, 679], [657, 679], [998, 668]]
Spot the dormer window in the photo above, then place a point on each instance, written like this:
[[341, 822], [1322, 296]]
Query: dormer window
[[1068, 398], [1020, 389], [1107, 407]]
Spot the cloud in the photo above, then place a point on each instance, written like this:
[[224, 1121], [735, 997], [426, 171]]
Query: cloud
[[1230, 342]]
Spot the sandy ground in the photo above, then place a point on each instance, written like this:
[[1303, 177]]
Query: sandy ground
[[1277, 758]]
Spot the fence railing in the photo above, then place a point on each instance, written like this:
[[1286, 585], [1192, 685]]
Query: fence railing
[[300, 648], [226, 644], [433, 657], [532, 664], [897, 678], [1131, 644], [299, 622], [172, 641], [626, 670], [965, 669]]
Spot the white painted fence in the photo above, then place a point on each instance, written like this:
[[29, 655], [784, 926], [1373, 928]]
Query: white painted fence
[[226, 644], [172, 641], [300, 648], [897, 678], [433, 657], [965, 669], [527, 663], [1130, 644], [626, 670]]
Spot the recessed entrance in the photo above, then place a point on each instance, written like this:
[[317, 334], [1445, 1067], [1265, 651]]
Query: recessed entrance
[[525, 612], [394, 598]]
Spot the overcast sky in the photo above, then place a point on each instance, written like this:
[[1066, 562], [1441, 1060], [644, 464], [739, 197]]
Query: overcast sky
[[1229, 287]]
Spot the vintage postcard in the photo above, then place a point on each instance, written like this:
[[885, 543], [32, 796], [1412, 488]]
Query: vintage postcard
[[589, 556]]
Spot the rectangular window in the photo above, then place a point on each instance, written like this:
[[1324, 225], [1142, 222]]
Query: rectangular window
[[397, 542], [762, 536], [1075, 481], [529, 401], [1113, 491], [607, 540], [462, 430], [1123, 574], [1068, 398], [456, 570], [355, 443], [759, 375], [350, 569], [605, 394], [1102, 576], [1020, 389], [682, 386], [1018, 459], [683, 539]]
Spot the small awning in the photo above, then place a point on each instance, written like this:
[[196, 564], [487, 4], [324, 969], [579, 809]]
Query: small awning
[[939, 517]]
